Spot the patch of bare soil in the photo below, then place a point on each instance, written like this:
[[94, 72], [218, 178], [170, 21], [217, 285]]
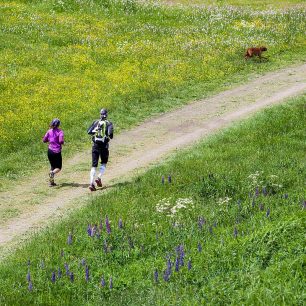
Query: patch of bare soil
[[33, 204]]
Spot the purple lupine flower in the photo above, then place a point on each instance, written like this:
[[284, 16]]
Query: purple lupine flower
[[59, 272], [69, 239], [268, 213], [264, 191], [304, 205], [87, 273], [156, 276], [201, 222], [169, 179], [181, 258], [107, 224], [169, 265], [30, 286], [101, 225], [199, 247], [72, 277], [83, 262], [111, 283], [235, 232], [177, 264], [93, 230], [103, 281], [53, 277], [89, 230], [261, 206], [66, 268], [189, 265], [120, 224], [256, 192], [163, 180], [166, 276], [28, 276]]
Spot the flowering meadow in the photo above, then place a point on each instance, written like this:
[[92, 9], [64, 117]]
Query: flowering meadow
[[221, 223], [69, 58], [255, 3]]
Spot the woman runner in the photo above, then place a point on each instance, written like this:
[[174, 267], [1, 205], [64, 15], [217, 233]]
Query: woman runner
[[55, 137]]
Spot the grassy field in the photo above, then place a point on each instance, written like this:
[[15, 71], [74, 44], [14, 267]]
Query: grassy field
[[258, 4], [69, 58], [229, 228]]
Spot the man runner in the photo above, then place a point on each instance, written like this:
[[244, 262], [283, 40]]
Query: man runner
[[102, 131]]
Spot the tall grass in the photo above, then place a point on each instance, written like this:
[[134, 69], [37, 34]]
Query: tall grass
[[69, 58], [225, 226]]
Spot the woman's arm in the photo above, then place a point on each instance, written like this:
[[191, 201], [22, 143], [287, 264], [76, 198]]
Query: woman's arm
[[61, 137], [46, 137]]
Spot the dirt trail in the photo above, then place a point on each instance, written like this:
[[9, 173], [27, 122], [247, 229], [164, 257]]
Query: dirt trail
[[133, 151]]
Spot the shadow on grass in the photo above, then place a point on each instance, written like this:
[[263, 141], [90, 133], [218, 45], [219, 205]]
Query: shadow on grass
[[72, 185], [77, 185]]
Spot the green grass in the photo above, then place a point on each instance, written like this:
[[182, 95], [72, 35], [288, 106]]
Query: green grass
[[69, 58], [257, 4], [248, 180]]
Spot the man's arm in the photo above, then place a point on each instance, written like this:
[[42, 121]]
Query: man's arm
[[110, 130], [90, 130]]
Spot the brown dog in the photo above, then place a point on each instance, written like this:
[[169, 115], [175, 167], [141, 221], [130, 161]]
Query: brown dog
[[250, 52]]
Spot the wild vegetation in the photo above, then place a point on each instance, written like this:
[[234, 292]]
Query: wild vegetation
[[258, 4], [68, 58], [221, 223]]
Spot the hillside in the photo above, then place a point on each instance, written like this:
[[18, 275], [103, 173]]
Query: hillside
[[227, 228], [203, 201]]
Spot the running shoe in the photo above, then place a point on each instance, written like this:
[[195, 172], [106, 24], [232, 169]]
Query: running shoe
[[99, 182], [51, 177], [92, 187]]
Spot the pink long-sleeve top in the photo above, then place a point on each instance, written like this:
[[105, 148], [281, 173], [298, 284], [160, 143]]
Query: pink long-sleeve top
[[55, 137]]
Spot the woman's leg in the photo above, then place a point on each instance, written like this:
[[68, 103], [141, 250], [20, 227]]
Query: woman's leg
[[56, 170], [56, 165]]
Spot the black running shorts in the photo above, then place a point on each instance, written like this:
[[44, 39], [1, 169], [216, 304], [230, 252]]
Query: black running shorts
[[97, 152], [55, 159]]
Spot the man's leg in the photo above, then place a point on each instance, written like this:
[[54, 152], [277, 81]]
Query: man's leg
[[104, 153], [95, 160], [101, 172]]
